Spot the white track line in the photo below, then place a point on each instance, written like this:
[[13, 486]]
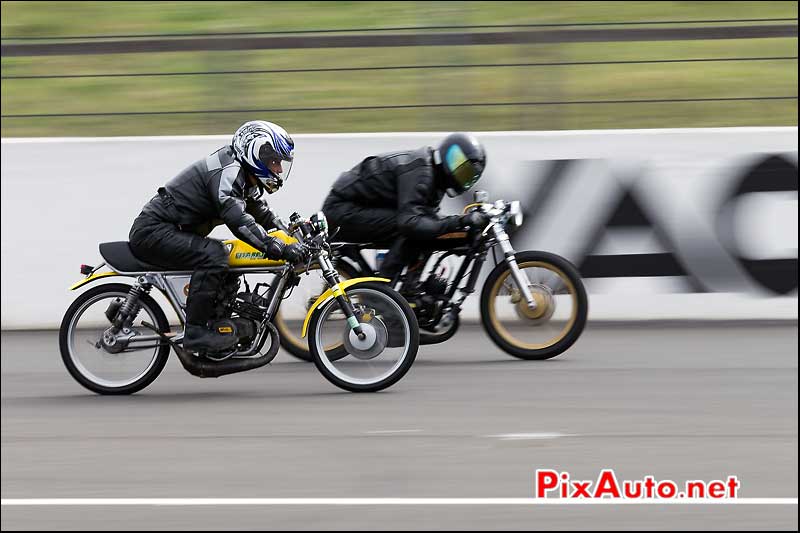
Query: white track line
[[28, 502], [529, 436], [393, 431]]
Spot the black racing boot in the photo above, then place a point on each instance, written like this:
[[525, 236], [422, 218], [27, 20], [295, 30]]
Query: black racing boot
[[202, 339], [199, 307]]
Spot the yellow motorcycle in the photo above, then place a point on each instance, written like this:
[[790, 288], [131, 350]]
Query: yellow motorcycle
[[116, 339]]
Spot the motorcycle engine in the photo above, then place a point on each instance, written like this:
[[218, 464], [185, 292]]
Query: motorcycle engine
[[226, 294], [226, 327], [428, 304], [238, 314], [435, 285], [242, 328]]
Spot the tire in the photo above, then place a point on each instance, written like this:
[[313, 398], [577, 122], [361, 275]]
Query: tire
[[411, 348], [290, 340], [153, 370], [574, 326]]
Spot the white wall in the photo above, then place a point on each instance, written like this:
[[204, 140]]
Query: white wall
[[61, 197]]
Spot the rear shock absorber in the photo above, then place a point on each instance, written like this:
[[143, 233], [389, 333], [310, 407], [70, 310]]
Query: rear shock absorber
[[131, 307]]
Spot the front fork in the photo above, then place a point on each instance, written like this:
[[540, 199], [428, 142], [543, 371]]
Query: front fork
[[332, 278], [521, 280]]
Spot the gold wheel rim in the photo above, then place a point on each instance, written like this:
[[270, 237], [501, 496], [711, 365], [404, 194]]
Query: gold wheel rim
[[505, 334]]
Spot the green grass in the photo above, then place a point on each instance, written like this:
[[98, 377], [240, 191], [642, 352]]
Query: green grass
[[301, 90]]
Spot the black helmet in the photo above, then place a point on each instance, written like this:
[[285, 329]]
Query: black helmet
[[462, 160]]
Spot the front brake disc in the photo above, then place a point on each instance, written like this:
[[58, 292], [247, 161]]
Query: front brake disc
[[545, 306], [376, 337]]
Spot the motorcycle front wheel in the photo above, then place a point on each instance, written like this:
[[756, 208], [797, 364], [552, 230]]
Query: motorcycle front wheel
[[558, 318], [88, 355], [379, 360]]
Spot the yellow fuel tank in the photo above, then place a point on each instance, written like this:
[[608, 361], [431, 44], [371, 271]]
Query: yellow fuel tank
[[241, 254]]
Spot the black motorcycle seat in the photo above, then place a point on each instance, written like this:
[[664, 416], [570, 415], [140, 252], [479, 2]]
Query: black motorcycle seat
[[120, 257]]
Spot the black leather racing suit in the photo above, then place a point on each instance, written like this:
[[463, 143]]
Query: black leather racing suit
[[392, 200], [172, 228]]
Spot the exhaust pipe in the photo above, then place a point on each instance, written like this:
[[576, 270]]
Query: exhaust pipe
[[204, 368]]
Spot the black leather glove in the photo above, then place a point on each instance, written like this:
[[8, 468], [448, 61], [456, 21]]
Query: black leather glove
[[452, 223], [295, 253], [275, 249], [474, 220]]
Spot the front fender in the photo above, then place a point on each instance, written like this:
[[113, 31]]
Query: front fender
[[333, 292], [93, 277]]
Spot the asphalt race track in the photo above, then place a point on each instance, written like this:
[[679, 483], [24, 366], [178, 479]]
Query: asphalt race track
[[678, 402]]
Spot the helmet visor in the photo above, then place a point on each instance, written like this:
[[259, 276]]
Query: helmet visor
[[277, 175], [464, 172], [285, 169]]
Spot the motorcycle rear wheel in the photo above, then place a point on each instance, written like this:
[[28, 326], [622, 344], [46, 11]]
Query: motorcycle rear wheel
[[90, 363]]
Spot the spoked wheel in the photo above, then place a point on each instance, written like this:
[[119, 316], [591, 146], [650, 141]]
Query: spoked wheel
[[382, 357], [108, 363], [292, 312], [561, 306]]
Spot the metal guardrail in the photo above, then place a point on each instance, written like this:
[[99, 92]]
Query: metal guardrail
[[398, 40], [395, 67], [584, 32], [399, 28]]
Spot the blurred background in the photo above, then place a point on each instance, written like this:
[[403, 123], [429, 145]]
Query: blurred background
[[163, 68]]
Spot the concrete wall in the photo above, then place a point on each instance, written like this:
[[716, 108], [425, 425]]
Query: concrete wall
[[696, 223]]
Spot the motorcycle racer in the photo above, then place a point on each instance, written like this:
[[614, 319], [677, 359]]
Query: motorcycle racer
[[394, 198], [223, 188]]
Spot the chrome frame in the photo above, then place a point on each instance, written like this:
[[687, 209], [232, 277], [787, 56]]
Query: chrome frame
[[160, 281]]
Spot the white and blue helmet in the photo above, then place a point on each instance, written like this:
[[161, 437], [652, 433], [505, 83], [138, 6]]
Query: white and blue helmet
[[258, 141]]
